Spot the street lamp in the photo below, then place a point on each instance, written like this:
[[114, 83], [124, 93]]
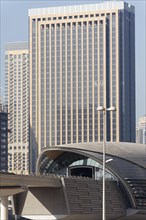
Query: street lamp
[[101, 108]]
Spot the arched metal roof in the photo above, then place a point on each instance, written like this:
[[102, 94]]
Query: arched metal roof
[[129, 159], [132, 152], [128, 164]]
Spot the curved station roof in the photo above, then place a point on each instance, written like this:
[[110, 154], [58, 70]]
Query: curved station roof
[[127, 163], [132, 155]]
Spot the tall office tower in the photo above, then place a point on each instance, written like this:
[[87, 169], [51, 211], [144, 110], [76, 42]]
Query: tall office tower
[[81, 57], [3, 139], [17, 100], [141, 130]]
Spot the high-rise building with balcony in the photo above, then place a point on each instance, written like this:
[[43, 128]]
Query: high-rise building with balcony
[[81, 57], [17, 101], [141, 130]]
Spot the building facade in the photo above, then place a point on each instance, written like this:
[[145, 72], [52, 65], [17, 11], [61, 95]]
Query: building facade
[[141, 131], [17, 101], [3, 139], [81, 57]]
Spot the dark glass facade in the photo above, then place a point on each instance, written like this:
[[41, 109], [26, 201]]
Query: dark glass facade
[[3, 141]]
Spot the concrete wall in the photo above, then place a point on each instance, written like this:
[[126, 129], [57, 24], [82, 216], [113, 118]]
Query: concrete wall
[[40, 201], [85, 197]]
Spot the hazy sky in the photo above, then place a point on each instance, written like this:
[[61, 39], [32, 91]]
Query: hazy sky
[[14, 27]]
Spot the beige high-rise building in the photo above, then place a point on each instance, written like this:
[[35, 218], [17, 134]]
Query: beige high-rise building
[[81, 57], [141, 130], [17, 101]]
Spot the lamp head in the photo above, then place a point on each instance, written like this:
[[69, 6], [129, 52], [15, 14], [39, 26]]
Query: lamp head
[[112, 108], [100, 108], [109, 160]]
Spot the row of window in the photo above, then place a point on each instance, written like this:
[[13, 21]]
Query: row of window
[[73, 17], [74, 24], [19, 147]]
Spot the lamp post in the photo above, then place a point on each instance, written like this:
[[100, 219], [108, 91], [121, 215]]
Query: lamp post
[[101, 108]]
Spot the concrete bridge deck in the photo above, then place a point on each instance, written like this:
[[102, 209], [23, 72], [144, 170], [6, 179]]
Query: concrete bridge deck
[[10, 180]]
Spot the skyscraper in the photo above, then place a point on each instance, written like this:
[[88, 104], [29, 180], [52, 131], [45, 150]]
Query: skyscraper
[[17, 101], [81, 57], [141, 130]]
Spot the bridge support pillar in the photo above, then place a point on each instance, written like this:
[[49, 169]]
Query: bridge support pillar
[[4, 208]]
